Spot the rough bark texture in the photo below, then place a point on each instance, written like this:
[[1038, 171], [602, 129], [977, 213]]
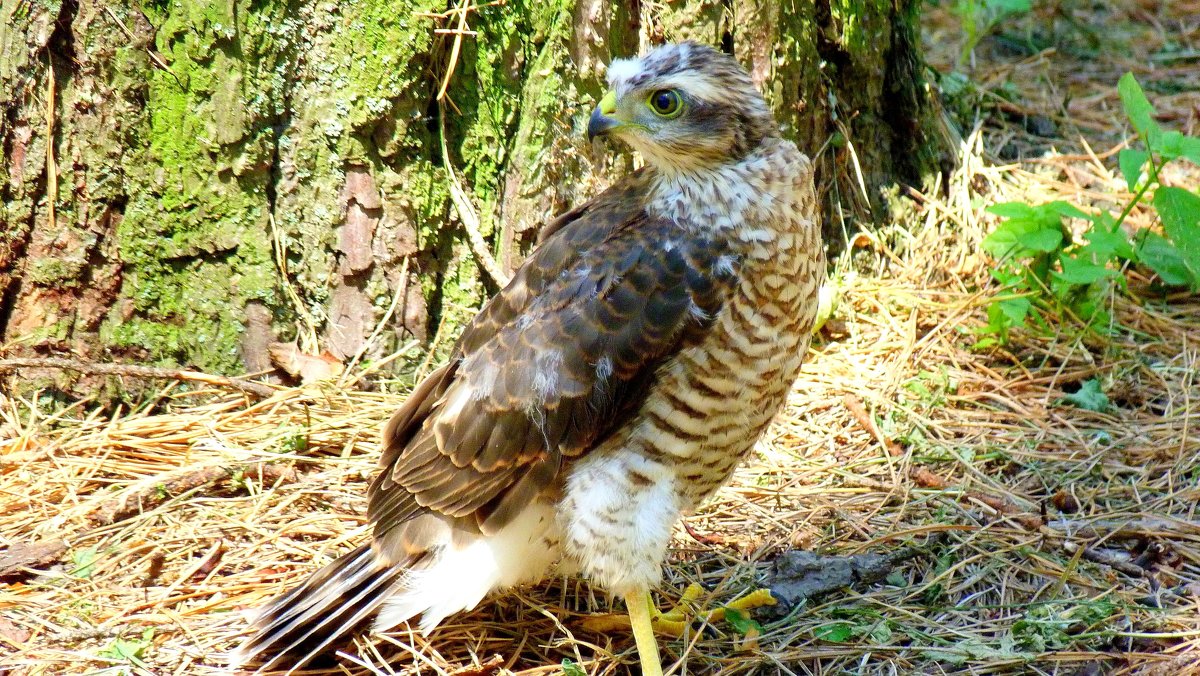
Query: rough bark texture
[[185, 181]]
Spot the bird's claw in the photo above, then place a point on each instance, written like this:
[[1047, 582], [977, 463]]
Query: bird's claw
[[673, 622]]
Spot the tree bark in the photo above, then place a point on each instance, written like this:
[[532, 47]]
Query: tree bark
[[187, 181]]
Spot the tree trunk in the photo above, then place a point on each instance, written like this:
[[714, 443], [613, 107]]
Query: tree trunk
[[187, 181]]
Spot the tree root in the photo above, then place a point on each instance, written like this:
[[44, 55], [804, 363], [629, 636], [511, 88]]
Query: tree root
[[90, 368]]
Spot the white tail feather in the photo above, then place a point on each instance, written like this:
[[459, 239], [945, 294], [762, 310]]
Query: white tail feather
[[459, 577], [450, 577]]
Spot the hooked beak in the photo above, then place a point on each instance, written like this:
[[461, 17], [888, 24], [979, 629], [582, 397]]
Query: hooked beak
[[602, 121]]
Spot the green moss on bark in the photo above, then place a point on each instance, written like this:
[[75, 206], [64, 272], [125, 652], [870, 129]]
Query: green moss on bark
[[195, 241]]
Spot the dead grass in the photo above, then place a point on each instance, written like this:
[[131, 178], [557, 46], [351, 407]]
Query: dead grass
[[1063, 541]]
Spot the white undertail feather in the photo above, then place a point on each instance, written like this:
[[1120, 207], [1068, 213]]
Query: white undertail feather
[[449, 578], [459, 577]]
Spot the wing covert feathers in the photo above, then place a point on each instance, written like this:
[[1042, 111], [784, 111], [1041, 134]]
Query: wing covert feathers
[[550, 366]]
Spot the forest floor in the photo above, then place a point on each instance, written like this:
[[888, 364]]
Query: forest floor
[[1045, 538]]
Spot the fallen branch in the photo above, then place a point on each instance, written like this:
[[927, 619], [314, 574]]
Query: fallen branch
[[34, 555], [1115, 559], [1150, 526], [119, 509], [133, 371], [797, 574], [21, 557], [1062, 529]]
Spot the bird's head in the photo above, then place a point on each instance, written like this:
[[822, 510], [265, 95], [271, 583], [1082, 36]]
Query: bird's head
[[684, 107]]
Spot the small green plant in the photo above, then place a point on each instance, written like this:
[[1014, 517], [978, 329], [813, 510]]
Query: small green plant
[[1090, 397], [980, 17], [130, 650], [1044, 271], [1060, 625], [569, 668], [742, 623], [84, 562], [855, 624]]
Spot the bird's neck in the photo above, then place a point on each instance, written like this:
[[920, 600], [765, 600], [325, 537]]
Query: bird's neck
[[724, 196]]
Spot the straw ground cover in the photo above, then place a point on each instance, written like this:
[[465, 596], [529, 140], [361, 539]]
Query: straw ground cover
[[1042, 537]]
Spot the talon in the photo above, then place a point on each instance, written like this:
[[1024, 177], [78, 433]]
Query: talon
[[675, 621], [672, 622], [686, 607], [755, 599]]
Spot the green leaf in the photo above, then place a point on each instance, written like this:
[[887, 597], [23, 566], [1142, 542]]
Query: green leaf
[[1015, 309], [129, 650], [1028, 230], [741, 621], [1018, 237], [1180, 213], [835, 632], [946, 656], [1160, 255], [1189, 148], [881, 633], [975, 649], [1090, 397], [954, 83], [1131, 161], [1007, 7], [933, 594], [1082, 272], [1170, 144], [1013, 210], [1173, 145], [85, 562], [1106, 245], [1041, 239], [896, 579], [1062, 209], [1137, 106], [985, 343], [569, 668]]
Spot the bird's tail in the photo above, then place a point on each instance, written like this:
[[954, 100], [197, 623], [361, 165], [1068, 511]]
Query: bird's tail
[[310, 619]]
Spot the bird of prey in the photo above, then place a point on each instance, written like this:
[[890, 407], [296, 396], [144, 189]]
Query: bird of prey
[[633, 361]]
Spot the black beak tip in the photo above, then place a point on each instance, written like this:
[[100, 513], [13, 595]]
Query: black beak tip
[[598, 125]]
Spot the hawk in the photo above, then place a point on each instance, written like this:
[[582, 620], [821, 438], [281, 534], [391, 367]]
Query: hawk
[[633, 361]]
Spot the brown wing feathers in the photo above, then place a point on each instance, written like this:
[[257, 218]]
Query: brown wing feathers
[[554, 363], [550, 366]]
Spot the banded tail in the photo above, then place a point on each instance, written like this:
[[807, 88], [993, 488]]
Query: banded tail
[[329, 607]]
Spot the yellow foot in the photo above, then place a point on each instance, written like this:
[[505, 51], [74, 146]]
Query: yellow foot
[[674, 621]]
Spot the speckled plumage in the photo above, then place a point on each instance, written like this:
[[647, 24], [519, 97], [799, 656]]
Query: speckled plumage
[[613, 385]]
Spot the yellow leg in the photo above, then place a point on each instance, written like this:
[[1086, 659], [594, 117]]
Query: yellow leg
[[674, 621], [638, 604]]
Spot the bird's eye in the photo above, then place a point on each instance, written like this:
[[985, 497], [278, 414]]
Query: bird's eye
[[666, 103]]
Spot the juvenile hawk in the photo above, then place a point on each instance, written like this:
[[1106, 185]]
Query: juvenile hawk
[[629, 366]]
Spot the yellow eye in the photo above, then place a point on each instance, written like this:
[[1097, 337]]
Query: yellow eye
[[665, 103]]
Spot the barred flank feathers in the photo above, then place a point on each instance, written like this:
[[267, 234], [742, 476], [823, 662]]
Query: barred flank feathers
[[320, 613]]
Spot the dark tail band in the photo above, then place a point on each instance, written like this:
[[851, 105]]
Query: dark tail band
[[319, 614]]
